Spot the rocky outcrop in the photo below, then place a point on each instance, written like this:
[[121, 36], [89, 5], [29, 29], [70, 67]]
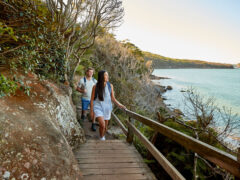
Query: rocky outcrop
[[37, 134], [169, 88], [153, 77]]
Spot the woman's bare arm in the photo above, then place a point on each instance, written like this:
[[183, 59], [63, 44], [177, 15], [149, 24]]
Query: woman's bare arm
[[115, 100]]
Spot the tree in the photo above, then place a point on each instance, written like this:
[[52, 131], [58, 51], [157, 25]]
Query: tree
[[128, 73], [52, 35], [209, 116], [79, 22]]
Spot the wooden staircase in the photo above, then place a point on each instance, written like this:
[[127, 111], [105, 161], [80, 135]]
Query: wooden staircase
[[111, 160]]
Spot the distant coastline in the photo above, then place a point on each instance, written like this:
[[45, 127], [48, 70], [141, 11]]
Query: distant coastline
[[161, 62]]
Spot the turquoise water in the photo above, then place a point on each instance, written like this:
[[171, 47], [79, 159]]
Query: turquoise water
[[223, 84]]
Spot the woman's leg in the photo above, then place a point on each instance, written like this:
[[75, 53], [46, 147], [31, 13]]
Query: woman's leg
[[101, 126], [106, 126]]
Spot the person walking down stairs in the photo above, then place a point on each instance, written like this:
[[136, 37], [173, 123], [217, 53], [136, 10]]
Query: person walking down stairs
[[101, 102], [85, 86]]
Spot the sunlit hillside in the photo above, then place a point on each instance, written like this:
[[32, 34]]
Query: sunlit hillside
[[159, 62]]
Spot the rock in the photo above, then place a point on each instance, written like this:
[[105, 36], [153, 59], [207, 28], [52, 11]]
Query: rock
[[21, 108], [163, 98], [115, 131], [178, 112], [159, 89], [37, 143], [153, 77], [169, 88], [27, 165], [24, 176], [6, 175]]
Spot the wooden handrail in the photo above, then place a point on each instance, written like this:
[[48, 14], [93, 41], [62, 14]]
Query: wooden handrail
[[169, 168], [218, 157], [120, 124]]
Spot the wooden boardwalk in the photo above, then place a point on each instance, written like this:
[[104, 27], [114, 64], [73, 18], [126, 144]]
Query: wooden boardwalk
[[116, 159], [111, 159]]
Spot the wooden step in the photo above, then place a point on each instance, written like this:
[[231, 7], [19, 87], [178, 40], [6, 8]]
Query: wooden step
[[111, 159]]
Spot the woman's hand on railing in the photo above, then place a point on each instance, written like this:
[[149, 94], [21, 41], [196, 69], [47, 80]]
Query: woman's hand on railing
[[122, 106]]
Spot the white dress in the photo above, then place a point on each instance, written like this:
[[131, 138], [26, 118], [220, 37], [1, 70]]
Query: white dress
[[103, 108]]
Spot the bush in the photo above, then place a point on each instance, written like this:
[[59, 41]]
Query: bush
[[7, 86]]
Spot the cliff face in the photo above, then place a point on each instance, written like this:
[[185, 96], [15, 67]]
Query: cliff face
[[38, 132]]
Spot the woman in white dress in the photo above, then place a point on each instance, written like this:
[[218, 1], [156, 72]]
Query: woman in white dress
[[101, 102]]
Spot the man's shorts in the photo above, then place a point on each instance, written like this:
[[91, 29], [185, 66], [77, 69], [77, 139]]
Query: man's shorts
[[85, 104]]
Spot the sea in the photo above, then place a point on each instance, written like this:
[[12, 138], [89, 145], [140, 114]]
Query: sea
[[221, 84]]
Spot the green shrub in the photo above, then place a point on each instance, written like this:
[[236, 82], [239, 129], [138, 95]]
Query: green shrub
[[7, 86]]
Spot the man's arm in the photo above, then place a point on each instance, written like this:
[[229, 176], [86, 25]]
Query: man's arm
[[81, 90], [91, 102], [80, 87]]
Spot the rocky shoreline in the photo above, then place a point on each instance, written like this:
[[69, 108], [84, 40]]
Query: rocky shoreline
[[153, 77], [230, 142], [160, 90]]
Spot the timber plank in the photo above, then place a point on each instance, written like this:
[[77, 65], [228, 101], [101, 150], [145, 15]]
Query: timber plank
[[82, 156], [110, 147], [116, 177], [107, 144], [115, 171], [111, 165], [106, 151], [107, 141], [108, 160]]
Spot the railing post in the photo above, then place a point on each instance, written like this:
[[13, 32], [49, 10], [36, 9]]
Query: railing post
[[130, 132], [238, 159], [238, 155]]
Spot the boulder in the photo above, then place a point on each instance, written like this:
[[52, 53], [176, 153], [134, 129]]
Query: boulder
[[38, 133], [169, 88]]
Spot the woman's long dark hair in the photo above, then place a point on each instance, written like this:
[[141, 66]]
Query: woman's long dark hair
[[100, 85]]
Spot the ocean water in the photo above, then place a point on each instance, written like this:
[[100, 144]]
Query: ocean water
[[222, 84]]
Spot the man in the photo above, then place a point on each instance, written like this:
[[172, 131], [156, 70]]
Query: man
[[85, 86]]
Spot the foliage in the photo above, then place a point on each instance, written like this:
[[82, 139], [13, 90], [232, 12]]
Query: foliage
[[147, 132], [125, 70], [38, 37], [28, 42], [7, 86], [209, 115], [178, 155], [4, 29], [79, 22]]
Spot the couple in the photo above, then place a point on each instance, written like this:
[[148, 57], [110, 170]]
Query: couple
[[101, 102]]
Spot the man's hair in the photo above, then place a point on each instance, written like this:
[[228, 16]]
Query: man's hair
[[88, 69]]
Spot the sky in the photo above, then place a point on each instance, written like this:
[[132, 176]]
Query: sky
[[206, 30]]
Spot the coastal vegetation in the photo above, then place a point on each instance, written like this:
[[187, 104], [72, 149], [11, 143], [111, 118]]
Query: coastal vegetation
[[162, 62], [49, 37]]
